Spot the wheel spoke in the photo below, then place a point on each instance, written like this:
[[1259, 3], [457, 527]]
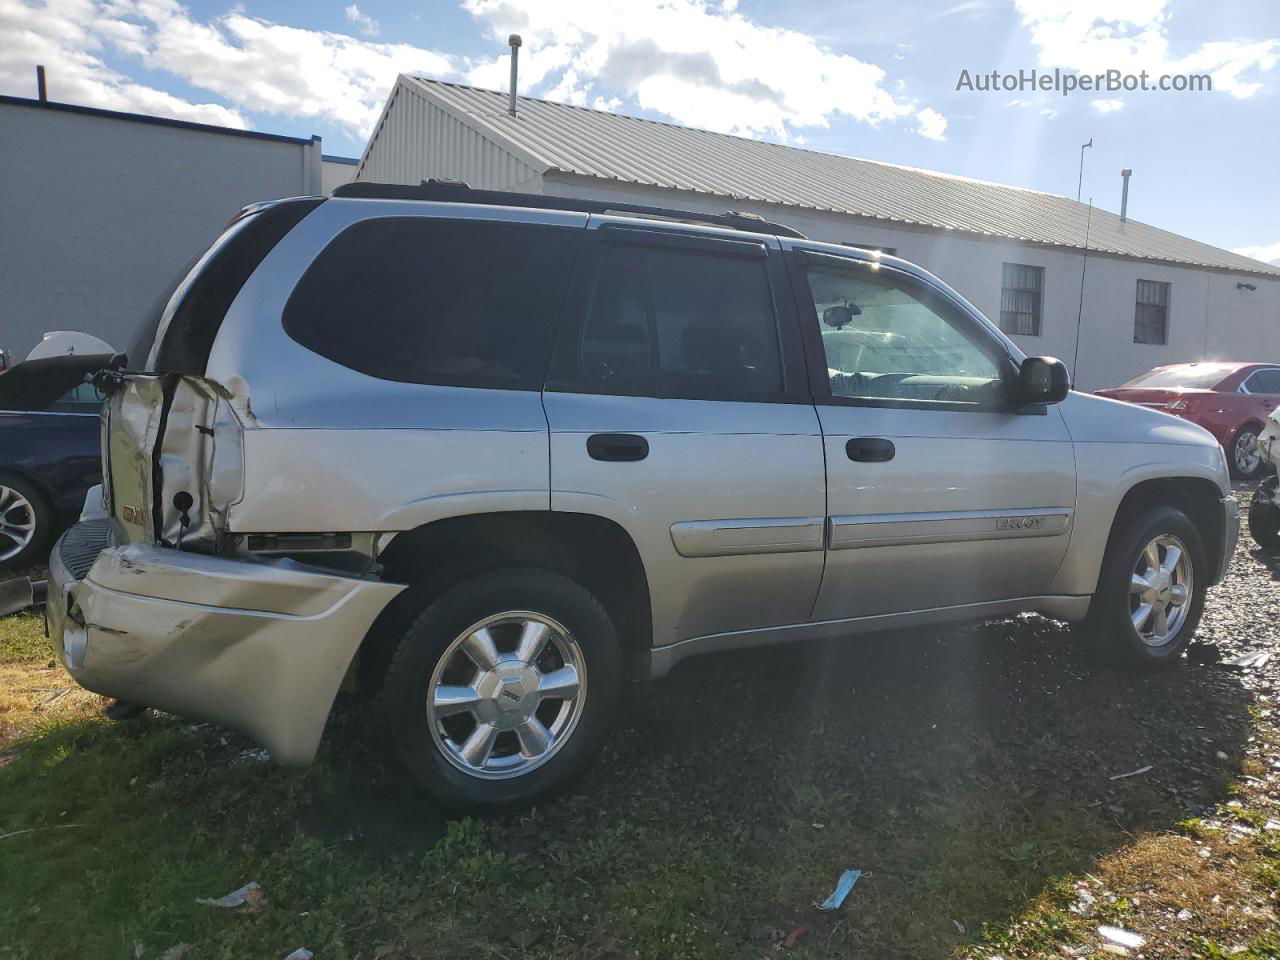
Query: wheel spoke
[[1140, 585], [479, 745], [479, 647], [451, 700], [535, 739], [1178, 595], [533, 639], [559, 684], [1152, 554], [1171, 557], [1160, 621], [1140, 616]]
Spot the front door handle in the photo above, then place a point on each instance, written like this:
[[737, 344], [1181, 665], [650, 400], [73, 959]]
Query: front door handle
[[617, 447], [870, 449]]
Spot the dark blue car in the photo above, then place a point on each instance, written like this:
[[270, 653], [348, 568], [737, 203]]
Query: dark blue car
[[49, 452]]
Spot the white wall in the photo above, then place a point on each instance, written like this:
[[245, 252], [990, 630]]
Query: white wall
[[334, 173], [98, 213], [1209, 317]]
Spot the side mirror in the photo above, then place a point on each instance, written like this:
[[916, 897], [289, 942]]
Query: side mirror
[[1041, 380], [840, 316]]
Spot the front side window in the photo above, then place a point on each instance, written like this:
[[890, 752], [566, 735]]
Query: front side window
[[451, 302], [886, 339], [1021, 298], [1151, 317], [676, 323]]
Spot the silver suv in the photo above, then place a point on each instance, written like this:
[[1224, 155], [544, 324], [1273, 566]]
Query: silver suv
[[491, 456]]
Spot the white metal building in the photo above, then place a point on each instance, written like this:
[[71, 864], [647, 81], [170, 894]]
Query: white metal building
[[99, 209], [1149, 296]]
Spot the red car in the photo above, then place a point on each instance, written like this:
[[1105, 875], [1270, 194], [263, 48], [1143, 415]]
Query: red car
[[1230, 400]]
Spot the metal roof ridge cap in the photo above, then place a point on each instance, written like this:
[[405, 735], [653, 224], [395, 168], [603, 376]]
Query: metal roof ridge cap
[[423, 87]]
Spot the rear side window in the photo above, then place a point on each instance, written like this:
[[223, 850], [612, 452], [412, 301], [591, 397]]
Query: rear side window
[[451, 302], [676, 323], [1263, 381]]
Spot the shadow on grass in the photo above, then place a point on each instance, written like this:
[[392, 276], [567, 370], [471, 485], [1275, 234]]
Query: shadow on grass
[[961, 770]]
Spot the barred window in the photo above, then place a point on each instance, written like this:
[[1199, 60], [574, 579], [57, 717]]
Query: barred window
[[1151, 317], [1021, 296]]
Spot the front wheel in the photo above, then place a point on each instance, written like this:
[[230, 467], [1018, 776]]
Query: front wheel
[[503, 690], [1150, 592], [1245, 455], [1264, 516]]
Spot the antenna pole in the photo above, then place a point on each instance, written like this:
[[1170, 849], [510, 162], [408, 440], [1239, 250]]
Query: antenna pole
[[1084, 266], [1080, 180]]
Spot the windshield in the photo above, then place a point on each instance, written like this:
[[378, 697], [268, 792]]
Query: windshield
[[1197, 376]]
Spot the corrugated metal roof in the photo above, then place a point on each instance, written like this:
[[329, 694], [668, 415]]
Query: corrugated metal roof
[[610, 146]]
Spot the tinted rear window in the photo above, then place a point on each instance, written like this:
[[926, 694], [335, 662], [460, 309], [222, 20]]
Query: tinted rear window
[[1198, 377], [187, 338], [453, 302], [676, 323]]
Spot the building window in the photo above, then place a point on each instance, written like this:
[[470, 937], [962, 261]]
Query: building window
[[1021, 297], [1151, 318]]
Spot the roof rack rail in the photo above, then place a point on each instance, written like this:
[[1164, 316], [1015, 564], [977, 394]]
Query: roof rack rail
[[455, 191]]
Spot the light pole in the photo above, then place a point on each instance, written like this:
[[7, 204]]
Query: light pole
[[1080, 181]]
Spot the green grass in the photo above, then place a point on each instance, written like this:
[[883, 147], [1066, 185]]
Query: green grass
[[22, 638], [694, 839]]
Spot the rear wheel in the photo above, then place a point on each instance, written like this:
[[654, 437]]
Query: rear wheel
[[1150, 592], [1245, 456], [1264, 516], [502, 691], [25, 523]]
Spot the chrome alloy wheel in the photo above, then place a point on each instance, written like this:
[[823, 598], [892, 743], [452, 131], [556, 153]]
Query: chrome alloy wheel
[[1246, 454], [17, 522], [1160, 590], [506, 695]]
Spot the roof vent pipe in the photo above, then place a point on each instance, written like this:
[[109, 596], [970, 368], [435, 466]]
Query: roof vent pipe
[[41, 90], [1124, 193], [514, 42]]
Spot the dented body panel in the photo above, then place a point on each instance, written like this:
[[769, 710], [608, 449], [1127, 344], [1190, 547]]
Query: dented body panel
[[260, 647]]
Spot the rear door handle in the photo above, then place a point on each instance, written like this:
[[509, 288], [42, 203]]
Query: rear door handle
[[617, 447], [870, 449]]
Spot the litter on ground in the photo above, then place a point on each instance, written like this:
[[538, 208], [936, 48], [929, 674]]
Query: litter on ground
[[250, 894], [843, 886]]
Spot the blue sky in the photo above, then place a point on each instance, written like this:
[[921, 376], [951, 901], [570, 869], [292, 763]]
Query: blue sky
[[868, 79]]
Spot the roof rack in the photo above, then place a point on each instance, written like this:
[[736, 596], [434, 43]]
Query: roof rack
[[454, 191]]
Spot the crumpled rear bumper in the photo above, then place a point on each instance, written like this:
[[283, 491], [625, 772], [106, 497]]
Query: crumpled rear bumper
[[259, 647]]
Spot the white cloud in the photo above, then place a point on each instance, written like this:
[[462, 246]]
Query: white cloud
[[66, 37], [699, 63], [368, 26], [1108, 105], [930, 123], [1268, 253], [1093, 36], [250, 63]]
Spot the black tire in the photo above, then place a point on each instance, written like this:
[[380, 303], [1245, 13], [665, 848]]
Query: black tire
[[402, 699], [37, 509], [1245, 435], [1264, 516], [1109, 629]]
